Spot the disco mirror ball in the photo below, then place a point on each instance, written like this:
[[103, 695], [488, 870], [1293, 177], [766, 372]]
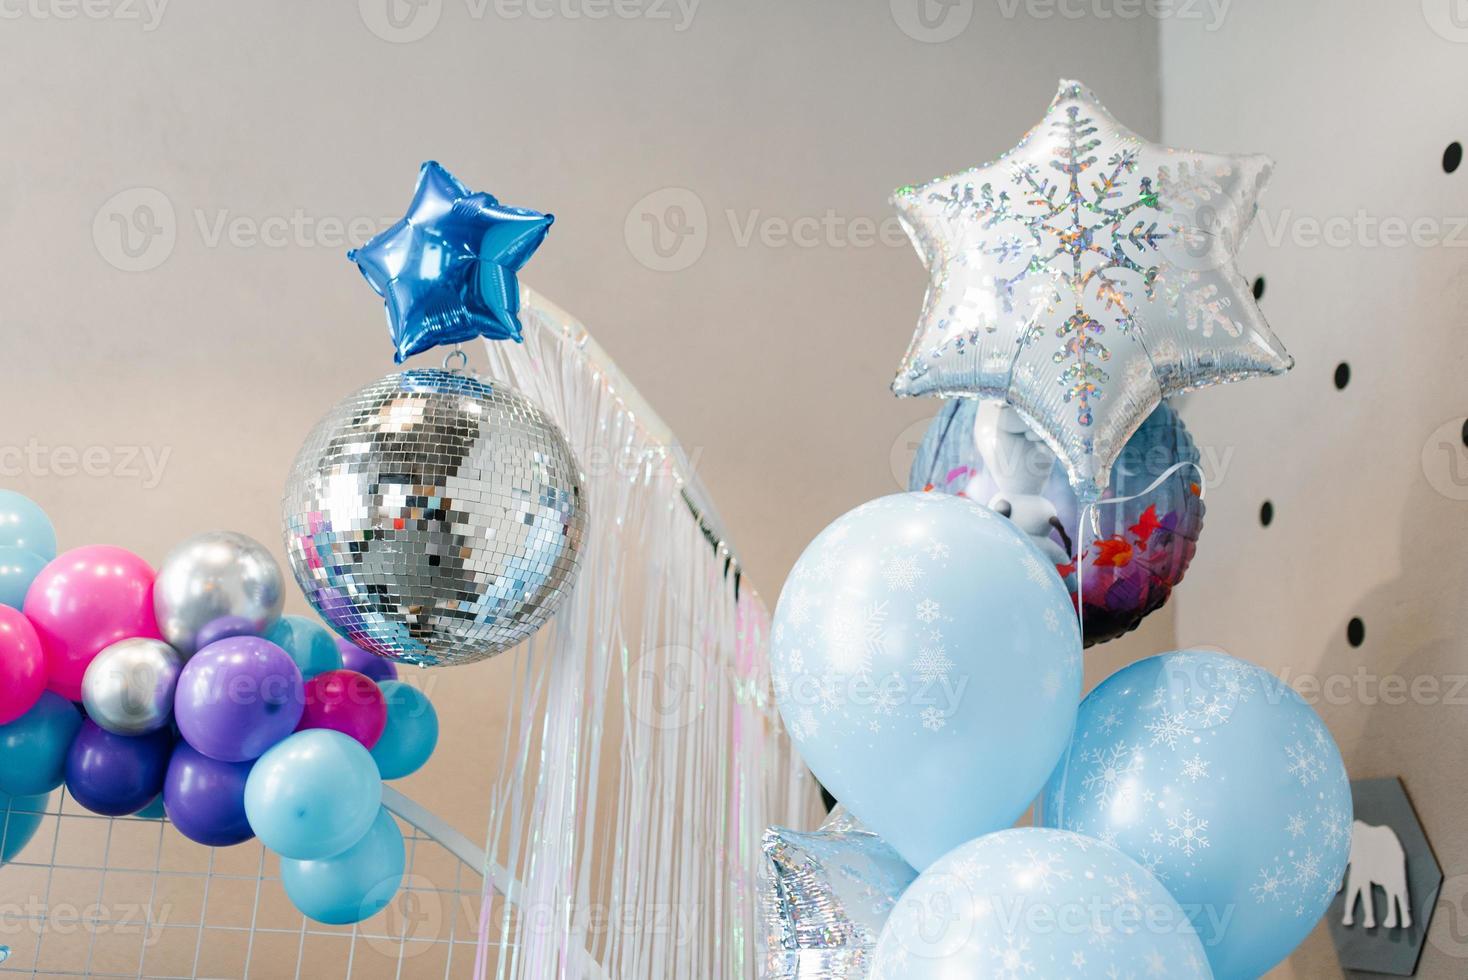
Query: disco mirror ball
[[435, 518]]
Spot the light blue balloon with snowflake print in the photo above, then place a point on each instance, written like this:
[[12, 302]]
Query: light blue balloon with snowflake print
[[1219, 779], [927, 663], [1037, 903]]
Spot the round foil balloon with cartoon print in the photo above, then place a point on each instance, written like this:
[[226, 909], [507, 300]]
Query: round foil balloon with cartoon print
[[1135, 552]]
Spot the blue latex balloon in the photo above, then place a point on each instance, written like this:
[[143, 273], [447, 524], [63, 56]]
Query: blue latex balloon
[[115, 775], [1037, 903], [927, 663], [20, 818], [411, 733], [313, 795], [18, 568], [354, 885], [448, 269], [154, 810], [33, 747], [1224, 783], [24, 525], [311, 645], [205, 798]]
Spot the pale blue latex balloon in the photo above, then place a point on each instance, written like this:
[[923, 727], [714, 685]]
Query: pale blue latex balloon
[[1224, 783], [311, 645], [927, 664], [33, 747], [411, 733], [20, 818], [354, 885], [1042, 904], [313, 795], [18, 568], [24, 525]]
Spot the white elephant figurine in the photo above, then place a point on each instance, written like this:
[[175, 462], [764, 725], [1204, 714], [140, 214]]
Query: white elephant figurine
[[1019, 463], [1377, 859]]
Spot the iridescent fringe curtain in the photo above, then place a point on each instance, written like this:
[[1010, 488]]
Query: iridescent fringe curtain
[[643, 754]]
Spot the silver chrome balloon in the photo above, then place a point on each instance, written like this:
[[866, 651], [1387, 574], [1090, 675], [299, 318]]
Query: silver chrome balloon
[[213, 585], [128, 687], [435, 518]]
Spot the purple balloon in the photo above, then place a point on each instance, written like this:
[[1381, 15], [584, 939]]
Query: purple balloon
[[116, 775], [205, 798], [237, 697], [224, 627], [355, 658]]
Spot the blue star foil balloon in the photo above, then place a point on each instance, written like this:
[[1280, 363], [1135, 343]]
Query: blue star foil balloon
[[1084, 276], [447, 270]]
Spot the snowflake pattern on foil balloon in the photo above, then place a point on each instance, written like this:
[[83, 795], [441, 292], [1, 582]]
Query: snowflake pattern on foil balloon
[[1084, 276]]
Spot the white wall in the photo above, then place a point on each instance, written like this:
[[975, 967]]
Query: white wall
[[213, 352], [770, 359], [1356, 103]]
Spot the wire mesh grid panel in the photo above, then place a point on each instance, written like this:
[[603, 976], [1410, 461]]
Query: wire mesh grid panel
[[132, 897]]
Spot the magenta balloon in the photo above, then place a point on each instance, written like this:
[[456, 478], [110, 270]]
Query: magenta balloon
[[84, 600], [205, 798], [348, 702], [355, 658], [22, 665], [115, 775], [237, 697]]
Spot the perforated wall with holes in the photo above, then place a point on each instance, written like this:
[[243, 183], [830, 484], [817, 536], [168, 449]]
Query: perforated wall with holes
[[1337, 546]]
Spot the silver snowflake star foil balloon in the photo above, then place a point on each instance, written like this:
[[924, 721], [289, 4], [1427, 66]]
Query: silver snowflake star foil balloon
[[1084, 276], [435, 518], [824, 897]]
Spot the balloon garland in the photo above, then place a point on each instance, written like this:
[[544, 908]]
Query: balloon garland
[[260, 730]]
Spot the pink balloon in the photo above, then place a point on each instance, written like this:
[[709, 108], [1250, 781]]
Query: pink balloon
[[86, 599], [22, 665], [347, 702]]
